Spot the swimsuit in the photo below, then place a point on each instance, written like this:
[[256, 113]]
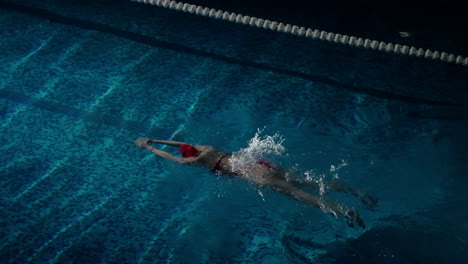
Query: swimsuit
[[217, 167], [265, 164]]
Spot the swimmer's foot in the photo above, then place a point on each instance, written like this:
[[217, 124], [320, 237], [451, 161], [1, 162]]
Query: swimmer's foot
[[368, 200], [351, 216]]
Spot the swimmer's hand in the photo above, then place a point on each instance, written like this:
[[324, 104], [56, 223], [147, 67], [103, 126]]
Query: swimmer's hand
[[142, 142]]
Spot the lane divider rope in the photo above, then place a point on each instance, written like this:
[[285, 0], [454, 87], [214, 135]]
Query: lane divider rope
[[308, 32]]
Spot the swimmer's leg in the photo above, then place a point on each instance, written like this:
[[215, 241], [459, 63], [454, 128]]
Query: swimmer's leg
[[340, 186], [337, 186], [334, 209]]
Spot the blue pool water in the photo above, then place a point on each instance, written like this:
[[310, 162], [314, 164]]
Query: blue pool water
[[77, 86]]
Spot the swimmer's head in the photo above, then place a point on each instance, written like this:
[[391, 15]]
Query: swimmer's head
[[188, 151]]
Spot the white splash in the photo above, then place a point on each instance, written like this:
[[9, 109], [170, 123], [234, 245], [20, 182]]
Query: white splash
[[259, 148], [312, 176], [334, 169]]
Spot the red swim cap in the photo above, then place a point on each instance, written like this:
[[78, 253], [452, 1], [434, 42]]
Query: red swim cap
[[188, 151]]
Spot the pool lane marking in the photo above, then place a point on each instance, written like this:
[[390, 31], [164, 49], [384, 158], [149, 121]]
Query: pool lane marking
[[178, 213], [54, 167], [24, 59], [309, 33], [189, 113], [60, 252], [74, 221], [115, 82], [29, 102], [71, 112], [49, 85]]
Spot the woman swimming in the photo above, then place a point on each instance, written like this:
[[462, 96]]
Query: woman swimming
[[261, 173]]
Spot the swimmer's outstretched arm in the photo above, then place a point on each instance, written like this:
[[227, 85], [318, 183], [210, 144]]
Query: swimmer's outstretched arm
[[143, 143], [167, 142]]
